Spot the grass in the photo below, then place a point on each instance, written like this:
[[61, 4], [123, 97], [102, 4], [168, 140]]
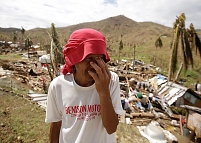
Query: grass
[[10, 57], [23, 121]]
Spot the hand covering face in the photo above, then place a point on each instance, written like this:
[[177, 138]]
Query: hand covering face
[[81, 43]]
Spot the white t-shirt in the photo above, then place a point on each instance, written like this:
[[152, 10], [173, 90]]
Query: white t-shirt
[[79, 109]]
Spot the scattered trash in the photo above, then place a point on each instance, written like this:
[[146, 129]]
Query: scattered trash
[[145, 95]]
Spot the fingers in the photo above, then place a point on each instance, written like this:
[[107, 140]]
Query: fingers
[[101, 76], [98, 70], [101, 68], [105, 68], [94, 75]]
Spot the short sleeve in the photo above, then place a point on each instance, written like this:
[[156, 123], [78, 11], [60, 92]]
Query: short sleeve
[[53, 114], [115, 94]]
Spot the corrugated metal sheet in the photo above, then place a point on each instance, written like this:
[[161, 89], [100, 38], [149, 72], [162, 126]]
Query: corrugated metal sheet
[[169, 91]]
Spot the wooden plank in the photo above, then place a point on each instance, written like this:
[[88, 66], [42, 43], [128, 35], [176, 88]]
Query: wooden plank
[[34, 95], [150, 115], [39, 99]]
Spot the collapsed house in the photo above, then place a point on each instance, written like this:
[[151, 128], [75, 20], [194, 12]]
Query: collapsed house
[[193, 122], [175, 94]]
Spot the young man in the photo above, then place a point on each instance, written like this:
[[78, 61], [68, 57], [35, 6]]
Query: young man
[[84, 103]]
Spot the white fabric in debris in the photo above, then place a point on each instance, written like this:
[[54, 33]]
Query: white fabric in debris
[[167, 134]]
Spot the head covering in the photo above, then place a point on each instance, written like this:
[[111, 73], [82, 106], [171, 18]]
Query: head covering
[[81, 43]]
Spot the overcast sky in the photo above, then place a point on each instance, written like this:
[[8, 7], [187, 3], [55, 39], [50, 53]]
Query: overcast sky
[[41, 13]]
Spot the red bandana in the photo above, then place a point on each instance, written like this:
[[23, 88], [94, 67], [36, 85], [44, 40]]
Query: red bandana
[[81, 43]]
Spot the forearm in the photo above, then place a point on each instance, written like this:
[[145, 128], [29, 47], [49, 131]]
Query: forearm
[[109, 117], [54, 132]]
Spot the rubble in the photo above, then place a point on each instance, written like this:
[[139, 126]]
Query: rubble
[[146, 95], [28, 73]]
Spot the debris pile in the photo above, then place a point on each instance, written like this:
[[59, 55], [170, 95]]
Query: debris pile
[[150, 102], [33, 74], [147, 97]]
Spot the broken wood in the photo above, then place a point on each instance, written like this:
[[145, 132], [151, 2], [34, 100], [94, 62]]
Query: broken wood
[[145, 120], [181, 127], [151, 115]]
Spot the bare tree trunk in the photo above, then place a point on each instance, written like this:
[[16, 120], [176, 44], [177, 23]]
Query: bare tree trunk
[[178, 73], [49, 71], [28, 51], [53, 61], [194, 44], [174, 49], [170, 65]]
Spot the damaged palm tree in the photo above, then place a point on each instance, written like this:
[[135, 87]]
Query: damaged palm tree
[[194, 39], [28, 44], [56, 55], [14, 36], [58, 48], [22, 32], [158, 43], [180, 34], [121, 46]]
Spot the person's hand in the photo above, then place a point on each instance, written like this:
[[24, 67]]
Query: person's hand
[[101, 76]]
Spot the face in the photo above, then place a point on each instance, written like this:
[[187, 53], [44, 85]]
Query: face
[[84, 66]]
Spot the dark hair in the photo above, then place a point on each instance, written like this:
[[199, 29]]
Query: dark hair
[[74, 69]]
